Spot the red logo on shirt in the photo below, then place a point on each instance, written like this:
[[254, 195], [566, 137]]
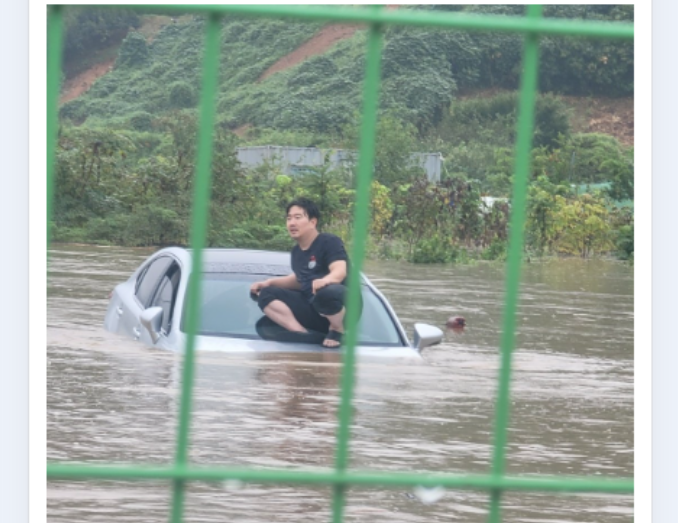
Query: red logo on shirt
[[311, 262]]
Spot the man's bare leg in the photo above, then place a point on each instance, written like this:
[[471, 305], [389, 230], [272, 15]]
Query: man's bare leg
[[281, 314], [336, 324]]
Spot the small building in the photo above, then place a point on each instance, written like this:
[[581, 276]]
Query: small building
[[293, 160]]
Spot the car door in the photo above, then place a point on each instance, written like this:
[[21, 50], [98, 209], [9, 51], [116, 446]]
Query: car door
[[145, 287], [165, 297]]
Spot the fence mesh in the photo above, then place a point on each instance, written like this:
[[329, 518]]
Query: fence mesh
[[495, 481]]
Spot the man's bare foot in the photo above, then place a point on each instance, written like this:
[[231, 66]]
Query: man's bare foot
[[333, 339]]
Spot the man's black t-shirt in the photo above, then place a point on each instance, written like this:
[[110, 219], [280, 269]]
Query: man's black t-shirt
[[314, 262]]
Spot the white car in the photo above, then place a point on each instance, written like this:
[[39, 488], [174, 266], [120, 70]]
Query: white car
[[150, 307]]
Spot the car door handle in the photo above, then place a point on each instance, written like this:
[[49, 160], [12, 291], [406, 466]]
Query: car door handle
[[119, 311]]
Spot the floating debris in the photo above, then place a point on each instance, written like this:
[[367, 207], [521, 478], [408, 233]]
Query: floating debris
[[429, 495]]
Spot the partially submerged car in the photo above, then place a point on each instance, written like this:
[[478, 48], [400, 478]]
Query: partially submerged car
[[151, 307]]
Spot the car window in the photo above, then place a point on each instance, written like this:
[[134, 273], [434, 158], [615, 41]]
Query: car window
[[227, 310], [150, 278], [166, 295], [376, 324]]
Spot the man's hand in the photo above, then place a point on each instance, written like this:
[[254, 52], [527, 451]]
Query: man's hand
[[320, 283], [256, 287]]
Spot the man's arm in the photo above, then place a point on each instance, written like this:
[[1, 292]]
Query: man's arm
[[286, 282], [337, 275]]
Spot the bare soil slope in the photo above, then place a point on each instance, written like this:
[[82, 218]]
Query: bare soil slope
[[83, 81], [612, 116], [318, 44]]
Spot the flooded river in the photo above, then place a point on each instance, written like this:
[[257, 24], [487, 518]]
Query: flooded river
[[110, 400]]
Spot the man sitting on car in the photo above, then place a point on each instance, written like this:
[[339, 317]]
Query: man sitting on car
[[312, 297]]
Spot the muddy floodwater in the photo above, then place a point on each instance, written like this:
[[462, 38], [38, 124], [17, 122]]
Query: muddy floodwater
[[110, 400]]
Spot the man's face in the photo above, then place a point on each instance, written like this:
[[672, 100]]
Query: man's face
[[298, 223]]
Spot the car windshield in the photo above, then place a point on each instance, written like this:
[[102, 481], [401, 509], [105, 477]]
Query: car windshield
[[228, 310]]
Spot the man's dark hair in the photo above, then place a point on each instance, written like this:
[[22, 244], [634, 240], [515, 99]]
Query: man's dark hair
[[308, 206]]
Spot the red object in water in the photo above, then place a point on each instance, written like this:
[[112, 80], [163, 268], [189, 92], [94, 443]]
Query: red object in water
[[455, 322]]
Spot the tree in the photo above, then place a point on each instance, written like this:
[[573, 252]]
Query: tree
[[133, 51], [584, 225], [619, 171], [88, 165], [544, 204], [381, 208], [396, 141], [87, 29], [327, 188]]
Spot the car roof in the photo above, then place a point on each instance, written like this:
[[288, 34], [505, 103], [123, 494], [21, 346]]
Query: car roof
[[245, 256], [248, 261]]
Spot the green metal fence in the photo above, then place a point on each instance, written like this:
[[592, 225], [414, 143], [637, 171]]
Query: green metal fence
[[495, 481]]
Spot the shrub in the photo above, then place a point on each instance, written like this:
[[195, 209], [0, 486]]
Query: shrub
[[110, 230], [87, 29], [552, 120], [433, 250], [396, 141], [68, 234], [624, 242], [147, 225], [182, 95], [75, 110], [312, 71], [493, 120], [586, 67], [495, 251], [416, 80], [141, 121], [622, 223], [584, 226], [484, 109], [568, 65], [619, 170], [495, 222], [593, 158], [462, 52], [543, 208], [237, 237], [103, 87], [133, 51], [381, 208], [291, 138], [154, 225]]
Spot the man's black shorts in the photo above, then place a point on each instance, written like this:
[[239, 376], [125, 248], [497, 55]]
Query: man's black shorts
[[327, 301]]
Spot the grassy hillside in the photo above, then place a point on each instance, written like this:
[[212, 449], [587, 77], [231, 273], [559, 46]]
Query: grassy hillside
[[423, 72], [165, 74]]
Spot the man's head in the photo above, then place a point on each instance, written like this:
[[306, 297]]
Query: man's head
[[302, 218]]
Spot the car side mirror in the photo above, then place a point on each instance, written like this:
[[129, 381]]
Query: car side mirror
[[426, 335], [151, 318]]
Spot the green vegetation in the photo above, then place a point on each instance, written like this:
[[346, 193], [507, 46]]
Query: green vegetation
[[422, 70], [125, 157], [133, 188], [88, 30]]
